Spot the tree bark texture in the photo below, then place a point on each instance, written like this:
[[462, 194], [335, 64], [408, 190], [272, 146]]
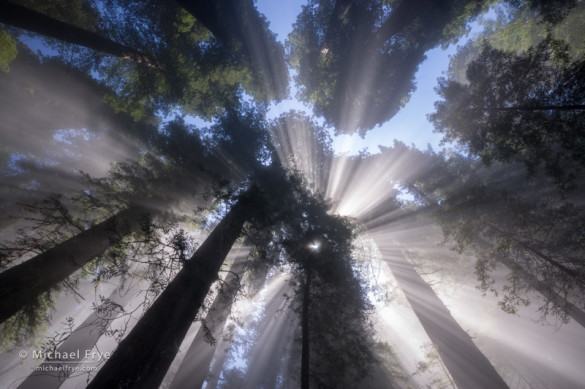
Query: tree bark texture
[[22, 284], [195, 366], [144, 356]]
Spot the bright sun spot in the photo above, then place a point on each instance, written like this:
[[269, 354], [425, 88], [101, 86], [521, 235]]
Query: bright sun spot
[[314, 246]]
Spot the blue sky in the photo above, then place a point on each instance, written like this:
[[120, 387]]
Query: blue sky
[[410, 125]]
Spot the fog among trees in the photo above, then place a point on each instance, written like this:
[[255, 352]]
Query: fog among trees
[[161, 227]]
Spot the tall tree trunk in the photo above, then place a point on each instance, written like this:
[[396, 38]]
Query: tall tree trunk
[[144, 356], [464, 361], [27, 19], [305, 352], [22, 284], [195, 366]]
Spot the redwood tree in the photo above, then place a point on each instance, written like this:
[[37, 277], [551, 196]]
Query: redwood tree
[[144, 356]]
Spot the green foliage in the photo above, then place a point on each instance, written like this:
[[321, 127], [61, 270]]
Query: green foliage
[[549, 11], [526, 108], [504, 218], [8, 51], [198, 72], [303, 146], [244, 32], [525, 30], [22, 328], [358, 70], [518, 27]]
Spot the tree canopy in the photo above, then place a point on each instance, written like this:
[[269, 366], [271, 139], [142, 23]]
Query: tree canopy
[[356, 60], [526, 108]]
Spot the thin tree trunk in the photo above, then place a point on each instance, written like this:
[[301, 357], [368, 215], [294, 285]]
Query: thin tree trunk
[[305, 353], [27, 19], [195, 366], [464, 361], [547, 258], [144, 356], [51, 374], [22, 284], [212, 379], [572, 310]]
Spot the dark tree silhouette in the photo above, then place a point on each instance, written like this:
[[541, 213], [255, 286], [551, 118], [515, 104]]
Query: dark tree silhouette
[[504, 217], [465, 362], [25, 18], [21, 285], [336, 349], [528, 108], [197, 361], [355, 61], [143, 357]]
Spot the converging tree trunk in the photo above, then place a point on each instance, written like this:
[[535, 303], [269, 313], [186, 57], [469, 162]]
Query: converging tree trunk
[[27, 19], [195, 366], [23, 284], [464, 361], [144, 356], [305, 352]]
